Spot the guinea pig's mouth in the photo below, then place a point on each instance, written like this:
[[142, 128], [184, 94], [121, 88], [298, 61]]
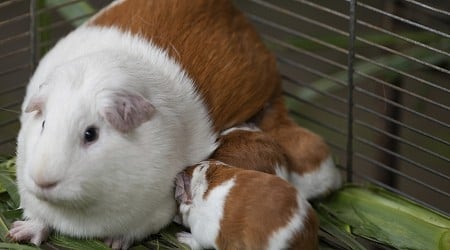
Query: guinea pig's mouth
[[61, 197]]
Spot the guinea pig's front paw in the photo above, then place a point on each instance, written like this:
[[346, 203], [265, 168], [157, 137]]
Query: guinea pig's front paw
[[31, 231], [118, 243], [188, 239]]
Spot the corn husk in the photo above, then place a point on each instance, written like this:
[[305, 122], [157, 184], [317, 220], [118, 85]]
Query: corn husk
[[387, 218]]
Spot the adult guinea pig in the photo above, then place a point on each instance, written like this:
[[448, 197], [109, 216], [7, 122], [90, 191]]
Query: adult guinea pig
[[122, 104], [230, 208]]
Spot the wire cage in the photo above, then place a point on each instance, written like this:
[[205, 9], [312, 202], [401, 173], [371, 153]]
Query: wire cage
[[371, 77]]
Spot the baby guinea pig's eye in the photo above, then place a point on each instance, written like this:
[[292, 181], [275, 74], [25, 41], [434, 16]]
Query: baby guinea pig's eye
[[90, 135]]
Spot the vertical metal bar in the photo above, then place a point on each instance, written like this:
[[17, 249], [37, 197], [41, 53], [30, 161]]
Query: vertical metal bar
[[390, 142], [33, 37], [350, 72]]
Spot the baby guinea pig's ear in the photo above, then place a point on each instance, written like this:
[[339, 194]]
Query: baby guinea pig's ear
[[126, 110], [183, 188]]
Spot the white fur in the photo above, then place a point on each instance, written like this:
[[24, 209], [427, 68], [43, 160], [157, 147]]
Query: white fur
[[282, 172], [281, 237], [120, 186], [203, 216], [243, 127], [319, 182]]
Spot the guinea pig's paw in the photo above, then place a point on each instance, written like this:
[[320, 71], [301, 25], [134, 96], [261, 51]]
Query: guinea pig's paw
[[118, 243], [31, 231], [188, 239]]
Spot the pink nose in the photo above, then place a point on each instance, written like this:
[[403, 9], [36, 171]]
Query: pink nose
[[45, 184]]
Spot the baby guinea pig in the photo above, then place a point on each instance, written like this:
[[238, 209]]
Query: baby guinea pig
[[247, 147], [231, 208], [310, 163]]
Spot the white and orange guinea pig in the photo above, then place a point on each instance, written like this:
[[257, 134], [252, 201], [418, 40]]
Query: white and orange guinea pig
[[248, 147], [227, 207]]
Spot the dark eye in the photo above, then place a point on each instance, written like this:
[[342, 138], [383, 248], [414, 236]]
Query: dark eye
[[43, 126], [90, 134]]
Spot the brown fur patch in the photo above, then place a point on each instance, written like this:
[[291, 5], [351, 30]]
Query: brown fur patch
[[251, 150], [216, 174], [256, 206], [305, 150], [214, 43], [307, 239]]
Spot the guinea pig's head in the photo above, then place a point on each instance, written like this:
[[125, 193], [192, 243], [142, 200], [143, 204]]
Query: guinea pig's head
[[83, 138]]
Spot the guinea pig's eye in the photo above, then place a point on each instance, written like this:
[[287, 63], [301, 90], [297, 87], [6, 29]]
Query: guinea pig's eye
[[90, 134], [43, 126]]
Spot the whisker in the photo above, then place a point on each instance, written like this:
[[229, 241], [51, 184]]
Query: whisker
[[10, 110]]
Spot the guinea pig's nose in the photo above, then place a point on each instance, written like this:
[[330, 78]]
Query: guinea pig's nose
[[45, 184]]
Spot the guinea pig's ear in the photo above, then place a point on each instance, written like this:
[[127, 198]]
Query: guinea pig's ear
[[36, 103], [183, 188], [126, 111]]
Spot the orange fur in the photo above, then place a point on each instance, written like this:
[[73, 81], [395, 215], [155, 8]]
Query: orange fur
[[214, 43], [305, 150], [307, 239], [251, 150], [257, 206]]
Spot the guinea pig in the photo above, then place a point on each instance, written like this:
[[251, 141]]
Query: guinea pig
[[290, 152], [227, 207], [122, 104], [310, 164], [247, 147]]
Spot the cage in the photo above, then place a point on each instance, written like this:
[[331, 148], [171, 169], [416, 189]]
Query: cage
[[370, 76]]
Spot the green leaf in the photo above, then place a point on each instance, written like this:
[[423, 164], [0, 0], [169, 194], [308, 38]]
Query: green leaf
[[72, 12], [3, 229], [16, 246], [72, 243], [384, 217], [10, 186]]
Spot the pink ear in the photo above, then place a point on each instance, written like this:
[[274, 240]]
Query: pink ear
[[183, 188], [36, 104], [128, 111]]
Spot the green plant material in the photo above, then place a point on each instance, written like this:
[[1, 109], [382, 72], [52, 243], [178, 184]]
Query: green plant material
[[72, 243], [8, 185], [16, 246], [337, 230], [72, 12], [3, 229], [387, 218], [76, 13]]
